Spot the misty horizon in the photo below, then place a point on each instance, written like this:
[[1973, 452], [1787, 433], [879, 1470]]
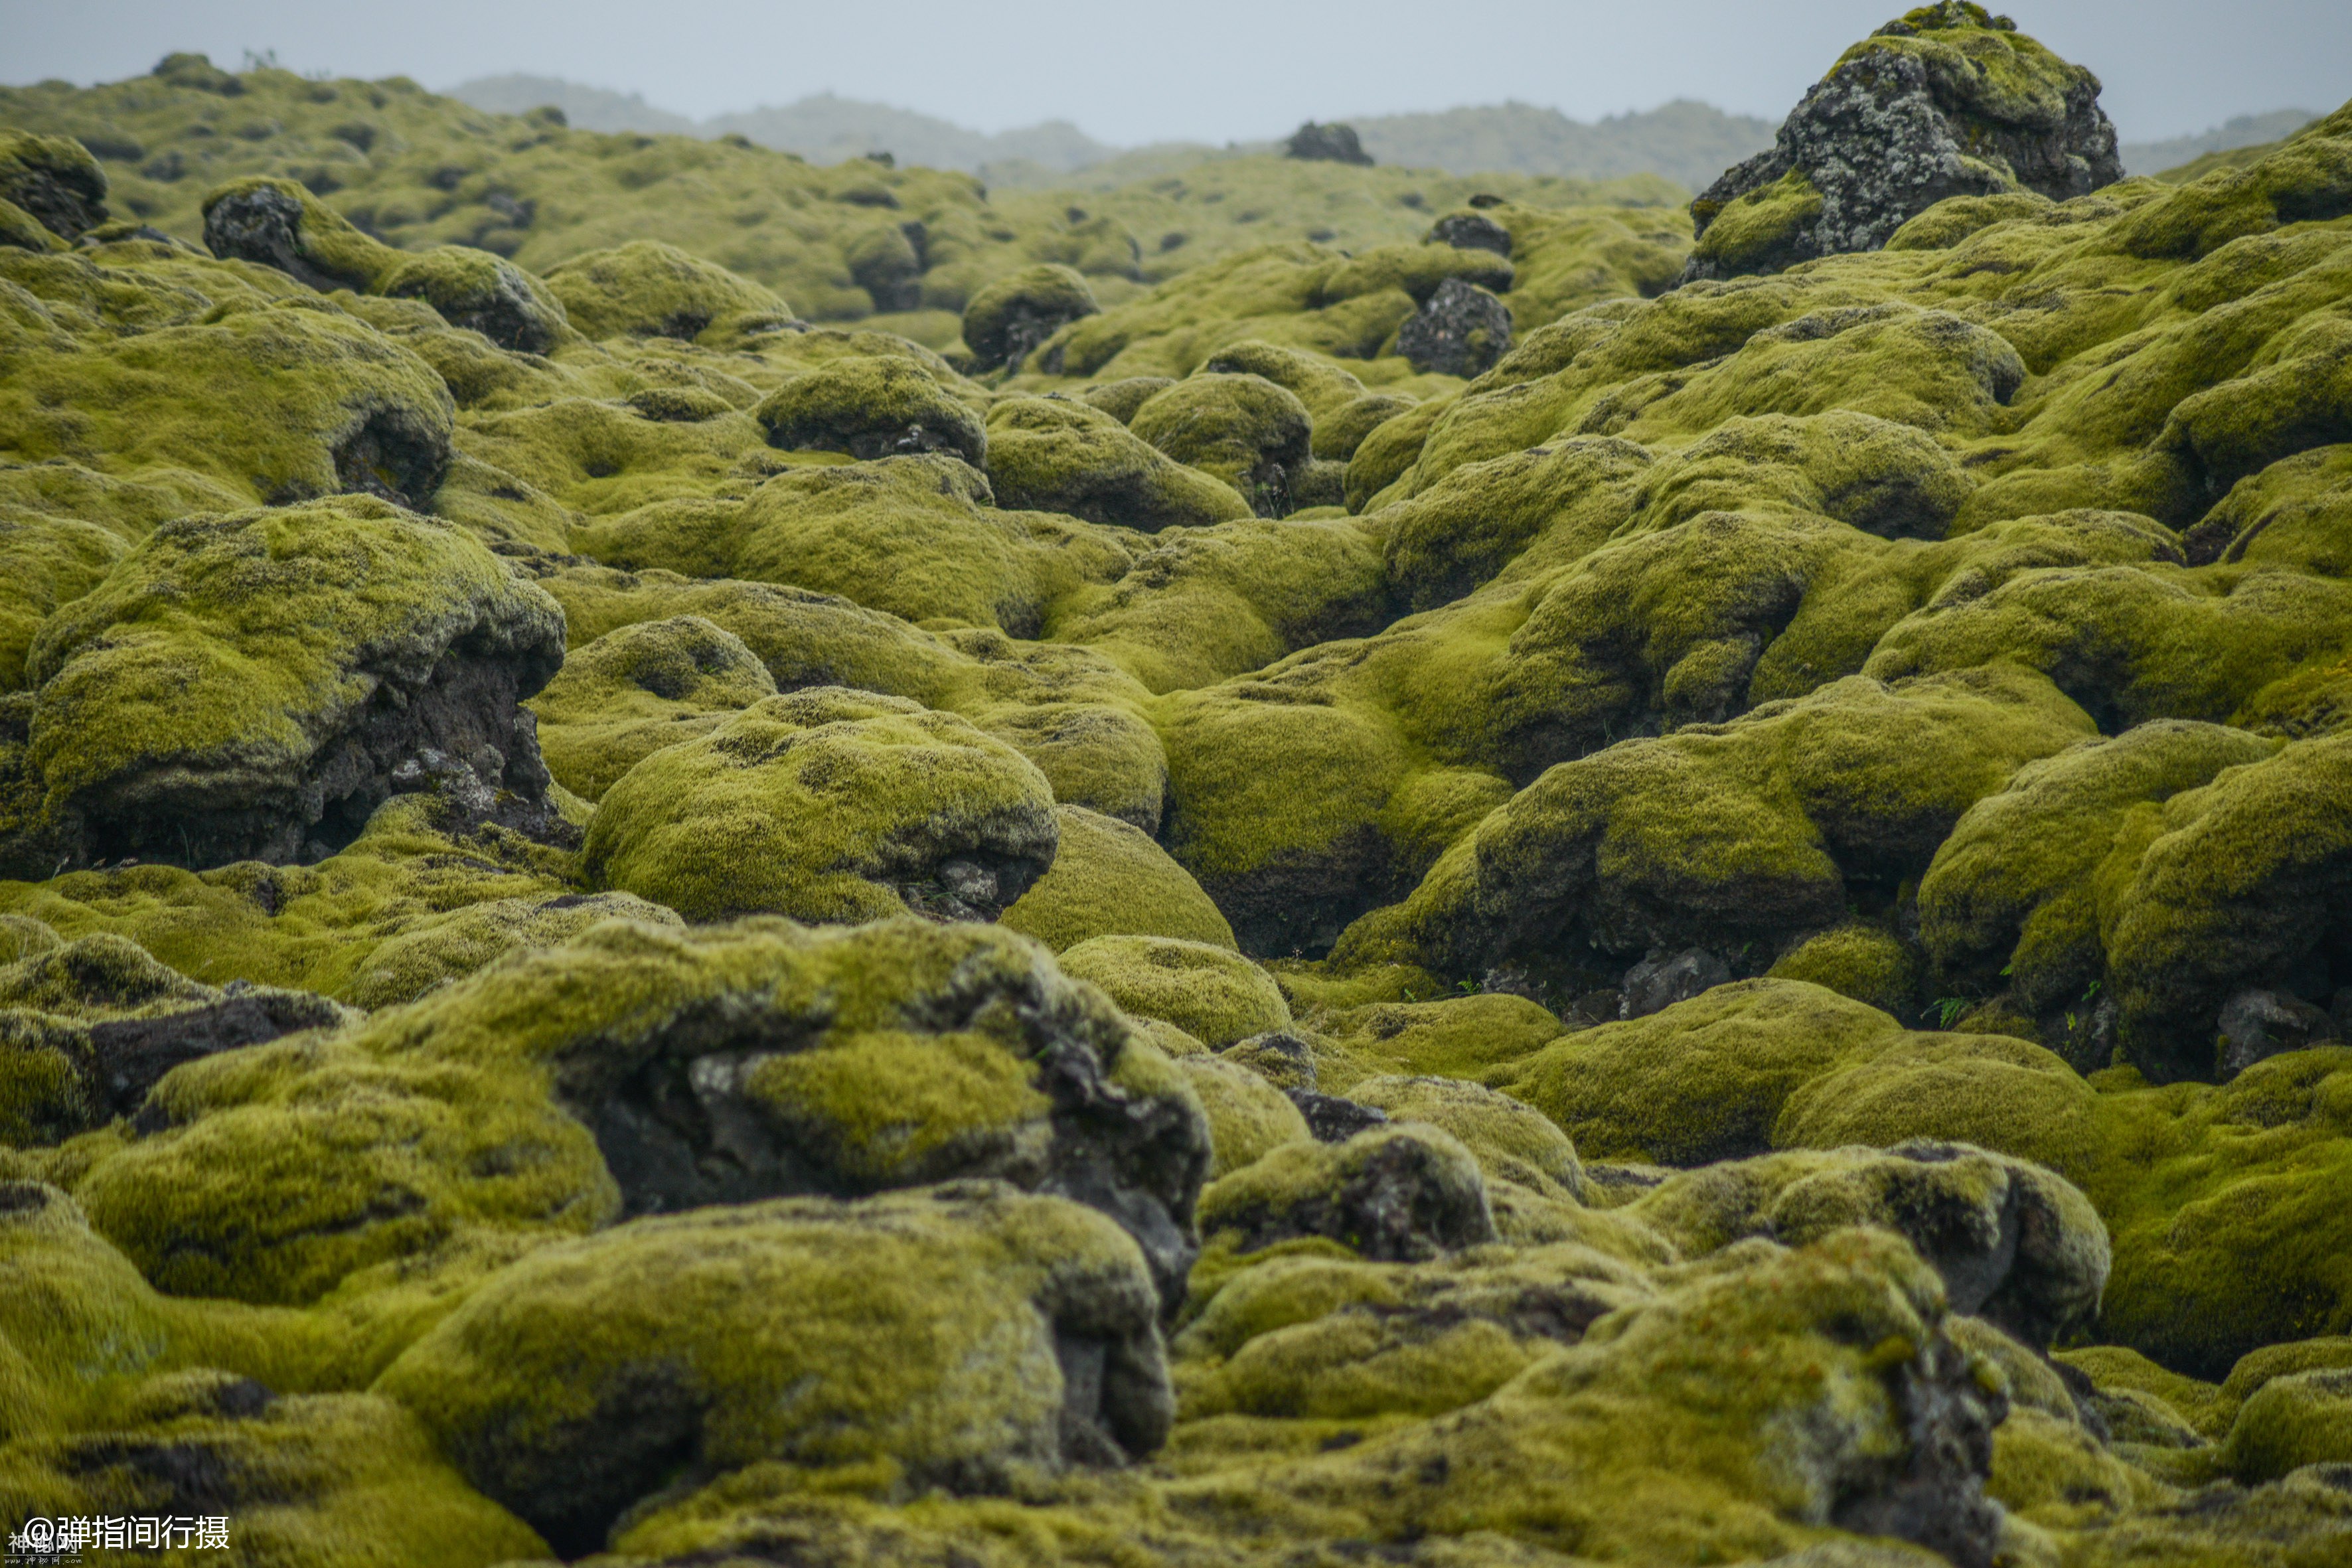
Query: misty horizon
[[1018, 64]]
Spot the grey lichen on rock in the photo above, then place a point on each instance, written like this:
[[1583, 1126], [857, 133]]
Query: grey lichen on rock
[[1948, 100]]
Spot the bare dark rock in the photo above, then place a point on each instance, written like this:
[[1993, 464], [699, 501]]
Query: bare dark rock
[[1471, 231], [1333, 143], [1461, 330], [1661, 980]]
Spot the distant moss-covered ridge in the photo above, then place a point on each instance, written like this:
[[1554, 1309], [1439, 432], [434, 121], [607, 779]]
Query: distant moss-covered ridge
[[840, 241], [1947, 101], [1684, 140]]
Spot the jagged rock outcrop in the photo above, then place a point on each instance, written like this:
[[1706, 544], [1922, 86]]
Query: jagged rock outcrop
[[1948, 100]]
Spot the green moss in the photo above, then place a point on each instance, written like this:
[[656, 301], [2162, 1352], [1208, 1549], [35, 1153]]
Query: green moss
[[1675, 841], [1511, 1142], [2302, 1418], [53, 181], [2184, 934], [1208, 991], [1702, 1365], [1243, 429], [224, 656], [2285, 516], [1108, 879], [1121, 396], [476, 292], [1705, 1079], [2187, 1202], [2016, 884], [828, 804], [318, 927], [1061, 455], [1404, 1192], [1762, 230], [315, 1479], [2049, 1472], [434, 952], [1248, 1117], [289, 1166], [1448, 540], [2015, 1243], [1099, 755], [1316, 380], [912, 535], [871, 407], [1008, 319], [2299, 178], [886, 1054], [1388, 451], [1955, 218], [611, 460], [1317, 1338], [1736, 616], [1862, 961], [2184, 647], [20, 230], [1288, 868], [276, 404], [1480, 1038], [1205, 603], [647, 288], [278, 223], [639, 689], [46, 562], [1069, 711], [523, 1386], [2117, 1368], [1340, 432]]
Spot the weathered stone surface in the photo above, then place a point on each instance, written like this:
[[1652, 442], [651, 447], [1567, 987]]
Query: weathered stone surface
[[1950, 100]]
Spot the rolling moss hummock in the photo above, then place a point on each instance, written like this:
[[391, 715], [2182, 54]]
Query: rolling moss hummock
[[828, 804]]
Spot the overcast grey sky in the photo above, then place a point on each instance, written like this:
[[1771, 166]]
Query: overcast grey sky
[[1205, 70]]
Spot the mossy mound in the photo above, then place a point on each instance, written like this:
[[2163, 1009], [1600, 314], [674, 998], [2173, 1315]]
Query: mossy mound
[[1054, 455], [539, 1097], [2016, 1244], [649, 290], [828, 804], [437, 875], [1403, 1193], [54, 181], [159, 361], [1248, 1117], [639, 689], [1108, 879], [871, 408], [1772, 1064], [254, 685], [568, 1389], [1676, 843], [88, 1027], [1474, 1038], [280, 224], [1203, 988], [314, 1477], [1244, 429], [1005, 322], [917, 536]]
